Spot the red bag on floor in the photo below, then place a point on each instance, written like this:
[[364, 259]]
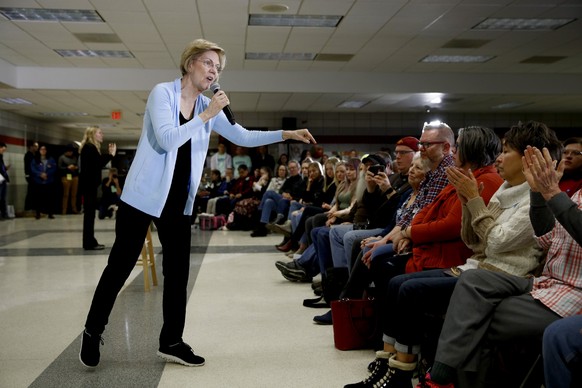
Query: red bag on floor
[[354, 323], [211, 222]]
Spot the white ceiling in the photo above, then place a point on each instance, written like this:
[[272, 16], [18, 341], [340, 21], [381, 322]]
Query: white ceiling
[[387, 39]]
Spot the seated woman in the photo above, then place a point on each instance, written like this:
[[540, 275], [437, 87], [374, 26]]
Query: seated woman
[[280, 176], [312, 196], [501, 237], [297, 236]]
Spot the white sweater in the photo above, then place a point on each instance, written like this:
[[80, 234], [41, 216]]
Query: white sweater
[[501, 234]]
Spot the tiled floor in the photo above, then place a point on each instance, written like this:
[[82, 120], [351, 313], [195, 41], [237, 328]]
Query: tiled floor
[[243, 317]]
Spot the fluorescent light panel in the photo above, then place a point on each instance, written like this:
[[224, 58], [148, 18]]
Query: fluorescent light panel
[[15, 101], [64, 114], [456, 58], [258, 19], [94, 54], [280, 56], [510, 105], [353, 104], [521, 24], [51, 15]]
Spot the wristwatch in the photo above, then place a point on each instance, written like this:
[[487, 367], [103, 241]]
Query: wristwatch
[[390, 191]]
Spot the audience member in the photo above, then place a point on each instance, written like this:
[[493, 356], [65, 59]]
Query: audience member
[[43, 169], [240, 157], [263, 159], [298, 235], [110, 194], [221, 192], [221, 160], [572, 179], [91, 163], [435, 147], [312, 196], [241, 188], [278, 202], [4, 179], [562, 352], [244, 211], [69, 172], [305, 267], [28, 158], [279, 178], [283, 159], [500, 235], [213, 189], [504, 307]]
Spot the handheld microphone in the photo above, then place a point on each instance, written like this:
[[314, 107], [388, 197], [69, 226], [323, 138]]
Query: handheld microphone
[[215, 87]]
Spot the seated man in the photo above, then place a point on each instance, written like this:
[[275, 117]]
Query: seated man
[[501, 306]]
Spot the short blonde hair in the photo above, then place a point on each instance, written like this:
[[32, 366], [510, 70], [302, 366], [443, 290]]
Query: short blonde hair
[[198, 47]]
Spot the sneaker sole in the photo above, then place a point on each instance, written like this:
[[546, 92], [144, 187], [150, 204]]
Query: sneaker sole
[[177, 360], [85, 365], [283, 268]]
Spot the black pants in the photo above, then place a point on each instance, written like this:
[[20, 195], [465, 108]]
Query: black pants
[[89, 208], [130, 231]]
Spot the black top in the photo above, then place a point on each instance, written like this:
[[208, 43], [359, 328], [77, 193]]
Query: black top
[[181, 180], [92, 162]]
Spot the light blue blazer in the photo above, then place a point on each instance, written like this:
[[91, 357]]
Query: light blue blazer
[[148, 181]]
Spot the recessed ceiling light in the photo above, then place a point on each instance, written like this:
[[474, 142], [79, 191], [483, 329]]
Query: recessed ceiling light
[[521, 24], [456, 58], [94, 53], [280, 56], [51, 15], [15, 101], [436, 100], [294, 20], [353, 104], [275, 7]]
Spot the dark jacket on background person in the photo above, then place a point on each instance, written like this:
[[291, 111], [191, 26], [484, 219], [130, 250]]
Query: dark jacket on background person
[[294, 185], [91, 164]]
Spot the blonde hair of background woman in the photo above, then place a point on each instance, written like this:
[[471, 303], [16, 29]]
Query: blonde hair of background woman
[[89, 137]]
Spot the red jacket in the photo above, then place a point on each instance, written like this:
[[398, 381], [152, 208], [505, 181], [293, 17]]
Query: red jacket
[[436, 229]]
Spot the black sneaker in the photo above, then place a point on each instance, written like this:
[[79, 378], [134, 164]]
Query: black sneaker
[[293, 272], [180, 353], [376, 375], [89, 354]]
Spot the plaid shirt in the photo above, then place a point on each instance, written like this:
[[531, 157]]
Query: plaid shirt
[[560, 286], [430, 187]]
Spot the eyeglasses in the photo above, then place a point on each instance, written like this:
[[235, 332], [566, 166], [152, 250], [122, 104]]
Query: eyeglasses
[[210, 65], [401, 153], [572, 153], [427, 144]]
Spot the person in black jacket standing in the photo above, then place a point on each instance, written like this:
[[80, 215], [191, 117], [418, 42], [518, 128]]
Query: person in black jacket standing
[[91, 163], [4, 179]]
